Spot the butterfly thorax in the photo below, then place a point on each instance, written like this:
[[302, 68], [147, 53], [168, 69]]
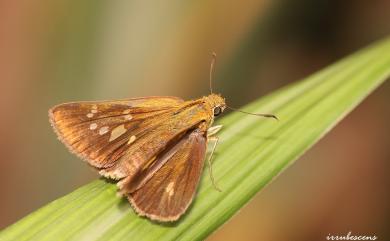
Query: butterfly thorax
[[204, 109]]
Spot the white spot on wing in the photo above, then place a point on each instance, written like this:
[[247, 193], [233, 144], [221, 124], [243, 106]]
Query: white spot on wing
[[169, 188], [132, 139], [93, 126], [89, 115], [128, 117], [94, 111], [103, 130], [117, 132]]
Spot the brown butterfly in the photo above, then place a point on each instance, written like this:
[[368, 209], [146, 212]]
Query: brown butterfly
[[154, 146]]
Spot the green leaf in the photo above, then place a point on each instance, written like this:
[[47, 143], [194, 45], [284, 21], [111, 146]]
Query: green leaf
[[251, 153]]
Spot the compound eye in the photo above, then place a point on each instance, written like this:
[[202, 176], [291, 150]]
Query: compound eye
[[217, 111]]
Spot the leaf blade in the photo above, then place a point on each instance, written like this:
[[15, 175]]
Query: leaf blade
[[252, 152]]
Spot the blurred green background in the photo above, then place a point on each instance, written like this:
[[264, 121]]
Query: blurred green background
[[60, 51]]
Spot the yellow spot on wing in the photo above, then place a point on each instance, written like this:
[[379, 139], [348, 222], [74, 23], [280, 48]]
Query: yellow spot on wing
[[132, 139], [169, 188], [117, 132]]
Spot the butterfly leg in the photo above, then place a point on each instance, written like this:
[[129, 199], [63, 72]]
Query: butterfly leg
[[215, 139], [213, 130], [211, 137]]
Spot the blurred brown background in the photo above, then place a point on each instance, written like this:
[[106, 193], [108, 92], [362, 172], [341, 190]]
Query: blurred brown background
[[58, 51]]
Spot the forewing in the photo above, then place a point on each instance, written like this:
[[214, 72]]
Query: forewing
[[102, 132], [169, 191]]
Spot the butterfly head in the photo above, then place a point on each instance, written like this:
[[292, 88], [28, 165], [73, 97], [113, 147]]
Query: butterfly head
[[217, 103]]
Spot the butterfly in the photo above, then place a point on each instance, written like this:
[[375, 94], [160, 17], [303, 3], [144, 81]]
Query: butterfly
[[155, 147]]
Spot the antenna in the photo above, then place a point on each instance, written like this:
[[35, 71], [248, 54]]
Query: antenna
[[256, 114], [213, 60]]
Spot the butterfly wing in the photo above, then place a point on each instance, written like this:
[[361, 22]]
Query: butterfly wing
[[124, 138], [169, 192], [102, 132]]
